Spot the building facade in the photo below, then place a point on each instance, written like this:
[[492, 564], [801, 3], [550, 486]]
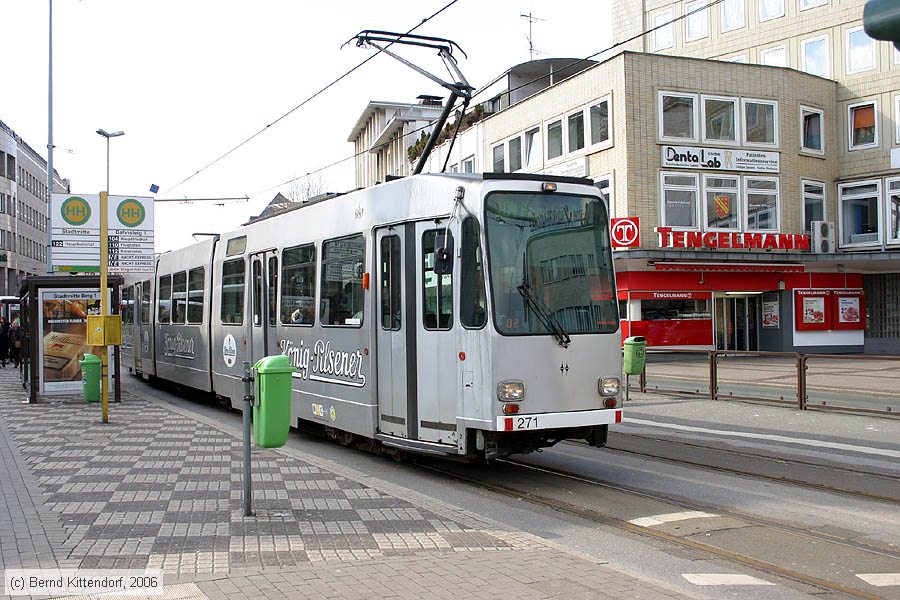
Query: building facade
[[24, 202]]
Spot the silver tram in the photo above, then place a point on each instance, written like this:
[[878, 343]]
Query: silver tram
[[460, 315]]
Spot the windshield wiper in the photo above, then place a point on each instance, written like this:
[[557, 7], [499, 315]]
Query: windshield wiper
[[544, 314]]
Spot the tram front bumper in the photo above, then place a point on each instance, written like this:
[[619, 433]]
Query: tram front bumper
[[560, 420]]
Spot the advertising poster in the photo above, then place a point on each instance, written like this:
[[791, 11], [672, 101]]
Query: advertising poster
[[770, 314], [63, 337], [813, 310], [848, 310]]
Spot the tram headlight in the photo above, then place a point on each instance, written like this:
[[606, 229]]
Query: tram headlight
[[608, 386], [510, 391]]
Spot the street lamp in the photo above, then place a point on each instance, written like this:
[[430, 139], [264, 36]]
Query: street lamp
[[108, 135]]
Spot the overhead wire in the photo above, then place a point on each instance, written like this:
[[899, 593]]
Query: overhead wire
[[303, 103]]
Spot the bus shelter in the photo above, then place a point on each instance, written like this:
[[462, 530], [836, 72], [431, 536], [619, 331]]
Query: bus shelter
[[54, 310]]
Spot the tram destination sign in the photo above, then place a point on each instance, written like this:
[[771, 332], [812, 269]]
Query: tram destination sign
[[720, 159], [75, 233]]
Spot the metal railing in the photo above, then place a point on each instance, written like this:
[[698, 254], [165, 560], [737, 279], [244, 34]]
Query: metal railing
[[856, 383]]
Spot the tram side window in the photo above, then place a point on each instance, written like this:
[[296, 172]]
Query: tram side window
[[196, 279], [472, 301], [298, 285], [165, 299], [128, 305], [233, 292], [343, 263], [390, 283], [145, 303], [179, 297], [437, 295]]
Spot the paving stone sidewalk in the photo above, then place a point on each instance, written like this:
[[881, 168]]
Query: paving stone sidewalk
[[159, 487]]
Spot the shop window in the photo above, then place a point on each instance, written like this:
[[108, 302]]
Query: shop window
[[761, 200], [813, 203], [472, 300], [812, 120], [859, 212], [600, 122], [662, 310], [233, 292], [860, 51], [732, 15], [298, 285], [554, 139], [391, 287], [814, 56], [862, 120], [179, 297], [677, 116], [770, 9], [679, 194], [164, 313], [893, 211], [499, 158], [722, 206], [696, 25], [664, 32], [760, 123], [576, 131], [719, 119], [196, 280], [343, 263], [533, 147], [774, 57], [437, 289], [515, 154]]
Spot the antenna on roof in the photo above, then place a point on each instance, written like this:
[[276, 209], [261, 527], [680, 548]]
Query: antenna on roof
[[458, 89], [530, 37]]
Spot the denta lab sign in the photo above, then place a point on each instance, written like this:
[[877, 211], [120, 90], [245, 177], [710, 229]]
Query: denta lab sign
[[720, 159], [670, 238]]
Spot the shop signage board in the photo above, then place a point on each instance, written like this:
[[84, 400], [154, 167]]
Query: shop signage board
[[824, 310], [75, 233], [669, 295], [720, 159], [671, 238], [626, 232]]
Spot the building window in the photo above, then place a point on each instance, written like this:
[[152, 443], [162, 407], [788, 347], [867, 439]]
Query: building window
[[469, 165], [533, 147], [677, 116], [860, 51], [722, 207], [862, 121], [679, 194], [893, 208], [554, 139], [897, 119], [811, 139], [696, 26], [604, 184], [732, 15], [232, 311], [576, 131], [740, 58], [859, 204], [343, 263], [515, 154], [774, 57], [498, 158], [761, 200], [719, 115], [814, 56], [600, 122], [298, 285], [813, 203], [663, 34], [804, 4], [770, 9], [760, 123]]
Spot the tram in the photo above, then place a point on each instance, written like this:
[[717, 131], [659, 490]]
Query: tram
[[463, 315]]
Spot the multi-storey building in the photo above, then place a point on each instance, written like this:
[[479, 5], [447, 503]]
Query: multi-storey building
[[24, 202], [763, 194]]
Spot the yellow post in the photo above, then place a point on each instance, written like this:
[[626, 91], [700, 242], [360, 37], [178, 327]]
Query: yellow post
[[104, 308]]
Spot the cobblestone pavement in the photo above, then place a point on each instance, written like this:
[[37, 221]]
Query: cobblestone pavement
[[159, 487]]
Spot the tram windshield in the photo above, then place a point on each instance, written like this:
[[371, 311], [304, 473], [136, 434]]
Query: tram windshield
[[550, 264]]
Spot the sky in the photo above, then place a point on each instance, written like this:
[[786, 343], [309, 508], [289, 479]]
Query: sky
[[188, 80]]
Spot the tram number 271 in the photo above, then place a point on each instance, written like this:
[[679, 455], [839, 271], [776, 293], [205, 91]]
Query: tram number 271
[[526, 422]]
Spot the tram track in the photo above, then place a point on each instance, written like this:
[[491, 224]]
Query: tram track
[[599, 517], [780, 462]]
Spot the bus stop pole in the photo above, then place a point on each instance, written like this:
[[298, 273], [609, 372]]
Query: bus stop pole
[[248, 403], [104, 302]]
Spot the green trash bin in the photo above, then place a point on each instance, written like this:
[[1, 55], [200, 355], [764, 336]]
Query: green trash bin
[[635, 354], [272, 409], [90, 377]]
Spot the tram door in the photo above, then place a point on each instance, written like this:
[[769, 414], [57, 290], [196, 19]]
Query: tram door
[[416, 358], [141, 346], [263, 304]]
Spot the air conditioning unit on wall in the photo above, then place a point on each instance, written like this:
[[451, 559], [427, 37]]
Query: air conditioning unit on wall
[[822, 237]]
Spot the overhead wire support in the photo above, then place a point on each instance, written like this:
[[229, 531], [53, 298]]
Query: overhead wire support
[[460, 89]]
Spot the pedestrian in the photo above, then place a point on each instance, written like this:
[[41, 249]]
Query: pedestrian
[[4, 341], [16, 340]]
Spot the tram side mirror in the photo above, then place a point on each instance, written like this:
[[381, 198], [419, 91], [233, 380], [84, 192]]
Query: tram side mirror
[[443, 254]]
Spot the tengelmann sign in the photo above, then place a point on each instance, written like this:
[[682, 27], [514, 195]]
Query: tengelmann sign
[[720, 159], [669, 238]]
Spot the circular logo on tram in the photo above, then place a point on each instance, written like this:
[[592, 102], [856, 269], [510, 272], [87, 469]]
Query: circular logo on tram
[[75, 211], [229, 351], [131, 213]]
